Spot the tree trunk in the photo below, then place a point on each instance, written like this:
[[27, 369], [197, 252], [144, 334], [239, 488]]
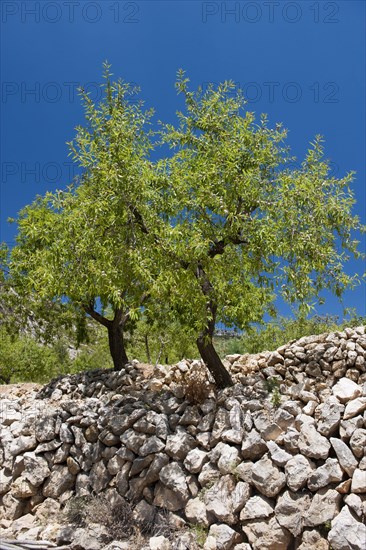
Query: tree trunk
[[204, 341], [147, 348], [117, 346], [213, 362]]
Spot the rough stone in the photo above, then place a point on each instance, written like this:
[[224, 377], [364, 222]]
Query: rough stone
[[267, 534], [347, 532], [345, 456], [267, 477]]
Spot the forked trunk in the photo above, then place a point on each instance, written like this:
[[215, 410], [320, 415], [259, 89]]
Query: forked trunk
[[117, 346]]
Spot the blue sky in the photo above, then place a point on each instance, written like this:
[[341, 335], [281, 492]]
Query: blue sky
[[301, 62]]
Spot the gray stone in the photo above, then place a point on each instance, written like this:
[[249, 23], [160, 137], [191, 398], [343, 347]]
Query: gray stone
[[324, 507], [196, 512], [312, 444], [253, 446], [345, 390], [152, 445], [345, 456], [355, 407], [5, 482], [45, 429], [264, 534], [257, 507], [224, 536], [267, 477], [358, 442], [278, 455], [179, 445], [330, 472], [218, 499], [347, 532], [290, 511], [173, 477], [60, 481], [99, 477], [359, 481], [194, 460], [329, 416]]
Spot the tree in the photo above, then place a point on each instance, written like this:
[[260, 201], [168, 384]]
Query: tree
[[83, 247], [214, 231], [242, 226]]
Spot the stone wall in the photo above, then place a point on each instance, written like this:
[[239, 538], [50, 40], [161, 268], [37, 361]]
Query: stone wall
[[276, 462]]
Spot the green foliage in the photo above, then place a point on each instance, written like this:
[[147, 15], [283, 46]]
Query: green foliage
[[22, 359], [200, 532], [211, 233]]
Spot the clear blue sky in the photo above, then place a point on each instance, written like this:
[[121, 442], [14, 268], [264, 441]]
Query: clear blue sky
[[301, 62]]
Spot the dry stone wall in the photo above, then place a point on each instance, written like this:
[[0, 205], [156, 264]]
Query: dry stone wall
[[276, 462]]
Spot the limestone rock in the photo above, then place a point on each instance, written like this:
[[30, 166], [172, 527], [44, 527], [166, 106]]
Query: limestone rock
[[345, 456], [347, 532], [218, 499], [253, 446], [257, 507], [195, 460], [358, 442], [312, 444], [267, 477], [290, 511], [329, 473], [267, 535], [355, 407], [225, 537], [196, 512], [324, 507], [58, 482], [345, 390], [359, 481]]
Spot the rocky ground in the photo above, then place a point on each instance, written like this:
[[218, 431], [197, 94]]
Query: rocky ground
[[157, 459]]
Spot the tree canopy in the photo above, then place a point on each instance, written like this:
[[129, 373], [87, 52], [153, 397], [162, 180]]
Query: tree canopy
[[211, 232]]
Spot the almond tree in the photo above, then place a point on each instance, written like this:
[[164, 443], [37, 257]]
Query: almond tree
[[83, 246], [242, 227]]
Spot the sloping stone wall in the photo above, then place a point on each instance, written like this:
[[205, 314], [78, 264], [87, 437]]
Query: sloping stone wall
[[254, 468]]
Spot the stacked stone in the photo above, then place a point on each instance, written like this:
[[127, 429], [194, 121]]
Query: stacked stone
[[253, 471]]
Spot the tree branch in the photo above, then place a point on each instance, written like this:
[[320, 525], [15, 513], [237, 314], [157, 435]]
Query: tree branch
[[89, 309]]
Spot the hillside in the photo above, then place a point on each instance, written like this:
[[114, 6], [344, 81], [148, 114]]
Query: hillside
[[155, 458]]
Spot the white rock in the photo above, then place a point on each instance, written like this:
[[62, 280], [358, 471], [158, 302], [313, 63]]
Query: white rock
[[265, 534], [330, 472], [291, 510], [312, 444], [194, 460], [355, 407], [355, 504], [324, 507], [224, 536], [278, 455], [345, 456], [358, 442], [257, 507], [268, 478], [159, 543], [346, 390], [196, 513], [347, 532], [359, 481]]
